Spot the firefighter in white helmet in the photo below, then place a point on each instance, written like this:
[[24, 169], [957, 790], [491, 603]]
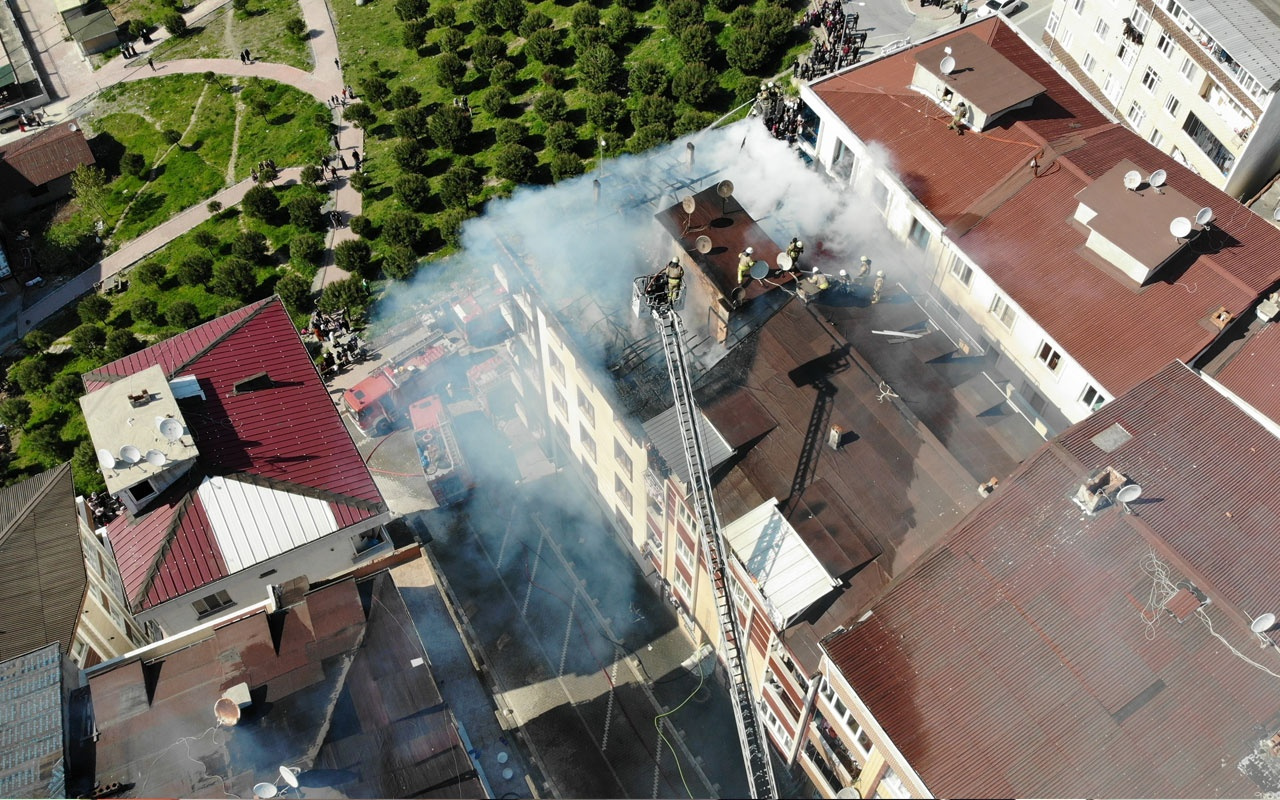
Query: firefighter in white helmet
[[877, 286], [745, 259]]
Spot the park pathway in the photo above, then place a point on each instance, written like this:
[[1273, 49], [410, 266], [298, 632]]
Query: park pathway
[[322, 83]]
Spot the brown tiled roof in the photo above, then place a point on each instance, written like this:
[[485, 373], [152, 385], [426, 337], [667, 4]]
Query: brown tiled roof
[[1254, 372], [1018, 228], [44, 156], [44, 576], [1017, 660]]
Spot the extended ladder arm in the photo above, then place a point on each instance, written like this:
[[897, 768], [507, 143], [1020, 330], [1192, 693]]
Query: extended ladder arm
[[755, 747]]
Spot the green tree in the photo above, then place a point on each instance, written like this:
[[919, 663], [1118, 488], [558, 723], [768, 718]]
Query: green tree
[[604, 111], [171, 136], [399, 263], [66, 389], [561, 137], [451, 41], [683, 13], [296, 28], [552, 76], [514, 162], [88, 340], [295, 291], [405, 96], [450, 222], [31, 374], [414, 191], [182, 314], [240, 6], [175, 24], [550, 106], [412, 9], [403, 229], [195, 269], [310, 175], [449, 127], [584, 15], [304, 212], [647, 77], [45, 445], [620, 24], [355, 256], [410, 156], [458, 183], [509, 13], [150, 273], [534, 21], [350, 294], [414, 35], [486, 51], [445, 15], [653, 110], [133, 164], [692, 120], [509, 130], [94, 308], [147, 310], [15, 411], [543, 44], [85, 470], [305, 249], [598, 67], [236, 278], [449, 69], [206, 240], [260, 202], [697, 43], [363, 227], [694, 83], [503, 74], [89, 184], [360, 181], [584, 39], [120, 343], [360, 115], [565, 165], [37, 341], [374, 89], [251, 246], [648, 137], [495, 101], [413, 123]]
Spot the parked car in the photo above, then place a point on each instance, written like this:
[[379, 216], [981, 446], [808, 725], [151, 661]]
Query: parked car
[[1005, 7]]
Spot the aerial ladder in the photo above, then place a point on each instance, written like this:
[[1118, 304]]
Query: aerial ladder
[[653, 292]]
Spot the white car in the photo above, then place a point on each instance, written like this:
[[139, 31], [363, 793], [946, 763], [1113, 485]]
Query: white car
[[1005, 7]]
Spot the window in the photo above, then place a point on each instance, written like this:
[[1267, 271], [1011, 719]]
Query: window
[[1078, 6], [1207, 142], [588, 443], [775, 725], [1188, 68], [1136, 115], [1151, 79], [585, 408], [1067, 38], [1035, 400], [1051, 25], [680, 583], [740, 599], [919, 234], [682, 550], [558, 399], [620, 489], [1089, 63], [894, 784], [1126, 53], [79, 650], [1092, 398], [1050, 357], [1112, 87], [1140, 20], [212, 603], [620, 456], [1101, 29], [1156, 138], [1171, 105], [1165, 44], [962, 271], [1001, 310], [880, 195]]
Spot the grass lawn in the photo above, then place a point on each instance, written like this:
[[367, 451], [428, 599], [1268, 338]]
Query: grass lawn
[[224, 34]]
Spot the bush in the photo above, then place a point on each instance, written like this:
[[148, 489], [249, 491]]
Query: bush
[[552, 76], [405, 96], [360, 181], [693, 120], [295, 291], [350, 294], [359, 114], [586, 38], [413, 123], [495, 101], [214, 207], [306, 249], [449, 127], [133, 164], [620, 24], [597, 68], [604, 111], [171, 136], [174, 23], [412, 9], [451, 40], [304, 212], [449, 69], [94, 308], [565, 165], [195, 270], [653, 110], [561, 137], [374, 89], [151, 273], [414, 191], [260, 202], [15, 411], [252, 247], [205, 239], [648, 77], [509, 130], [403, 229], [694, 84], [146, 309], [514, 162], [534, 21], [182, 314], [502, 74], [310, 175], [399, 263], [648, 137], [543, 44], [681, 14], [236, 278], [458, 183], [66, 388], [451, 225], [753, 47], [296, 27], [445, 15], [550, 106], [87, 340], [240, 6], [697, 43], [414, 35], [584, 15], [37, 341], [46, 444], [120, 343], [31, 374], [509, 13], [354, 255], [486, 52], [362, 226]]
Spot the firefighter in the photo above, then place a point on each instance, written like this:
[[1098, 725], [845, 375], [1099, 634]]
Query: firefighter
[[745, 260], [877, 286], [820, 280], [863, 270], [656, 289], [675, 280], [794, 251]]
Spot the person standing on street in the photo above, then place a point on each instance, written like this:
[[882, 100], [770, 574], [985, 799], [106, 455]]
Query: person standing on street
[[151, 64]]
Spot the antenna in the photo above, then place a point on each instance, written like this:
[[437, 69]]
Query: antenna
[[1180, 227], [1204, 217], [170, 428], [784, 262], [702, 244], [760, 270], [289, 776], [130, 454], [948, 64], [1132, 180], [106, 459], [155, 458], [1157, 178], [1263, 624]]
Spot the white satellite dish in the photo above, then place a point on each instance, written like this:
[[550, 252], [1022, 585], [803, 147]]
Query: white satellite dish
[[702, 244], [106, 458], [689, 204], [1204, 216], [155, 458], [948, 65], [170, 428], [1132, 180], [1128, 494], [725, 188], [784, 262], [1275, 215], [289, 776], [264, 790], [760, 270], [849, 793], [130, 454], [1263, 623], [1157, 178], [1180, 227]]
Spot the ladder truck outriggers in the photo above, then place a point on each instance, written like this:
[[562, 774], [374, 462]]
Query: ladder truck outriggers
[[662, 294]]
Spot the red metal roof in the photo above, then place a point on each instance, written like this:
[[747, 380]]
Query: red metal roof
[[1019, 228], [1016, 660], [288, 435], [1254, 372]]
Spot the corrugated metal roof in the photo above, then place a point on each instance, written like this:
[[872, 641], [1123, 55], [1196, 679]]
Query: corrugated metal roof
[[287, 438], [44, 580], [1017, 659], [1254, 372], [1246, 29], [254, 523], [44, 156], [664, 431], [31, 735], [786, 571]]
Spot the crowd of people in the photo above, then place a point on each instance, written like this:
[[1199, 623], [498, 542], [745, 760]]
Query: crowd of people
[[839, 48], [781, 114]]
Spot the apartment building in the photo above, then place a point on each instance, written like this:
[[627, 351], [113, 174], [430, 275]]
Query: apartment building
[[1195, 78]]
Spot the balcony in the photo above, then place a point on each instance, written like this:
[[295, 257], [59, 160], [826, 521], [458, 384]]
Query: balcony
[[833, 747], [772, 681], [824, 769]]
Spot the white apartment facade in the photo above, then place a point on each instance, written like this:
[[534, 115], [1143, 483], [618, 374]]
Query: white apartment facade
[[1195, 78]]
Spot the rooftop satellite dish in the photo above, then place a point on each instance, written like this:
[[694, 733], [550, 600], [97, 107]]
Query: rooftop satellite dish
[[1263, 623], [702, 244], [1157, 178], [226, 711], [1275, 215], [289, 776], [784, 262], [760, 270], [1132, 180], [724, 188], [1204, 216], [106, 459], [1128, 494], [130, 454], [264, 790], [155, 458], [948, 65], [170, 428], [849, 793], [1180, 227], [688, 204]]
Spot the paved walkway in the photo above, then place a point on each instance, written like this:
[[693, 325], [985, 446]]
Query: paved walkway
[[322, 83]]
